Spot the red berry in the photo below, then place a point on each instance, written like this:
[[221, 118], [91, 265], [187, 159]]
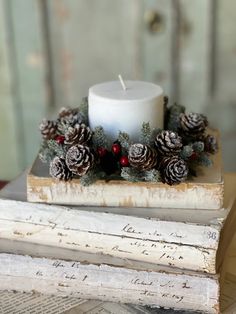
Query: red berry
[[60, 139], [194, 156], [124, 161], [116, 148], [102, 151]]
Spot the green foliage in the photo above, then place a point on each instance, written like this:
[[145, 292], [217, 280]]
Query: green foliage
[[83, 109], [45, 153], [146, 132], [148, 135], [186, 152], [172, 119], [92, 176], [49, 149], [124, 140], [99, 138], [198, 147], [204, 160], [135, 175], [152, 175]]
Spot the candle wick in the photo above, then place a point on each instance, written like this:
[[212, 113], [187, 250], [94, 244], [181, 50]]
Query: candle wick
[[122, 82]]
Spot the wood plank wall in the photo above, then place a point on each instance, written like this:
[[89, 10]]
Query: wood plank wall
[[51, 51]]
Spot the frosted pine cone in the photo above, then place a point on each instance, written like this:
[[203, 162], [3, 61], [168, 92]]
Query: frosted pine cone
[[142, 157], [210, 144], [193, 124], [70, 116], [79, 159], [174, 170], [48, 129], [79, 134], [168, 143], [59, 170]]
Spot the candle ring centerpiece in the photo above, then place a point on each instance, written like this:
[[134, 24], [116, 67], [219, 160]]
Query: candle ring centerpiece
[[170, 154]]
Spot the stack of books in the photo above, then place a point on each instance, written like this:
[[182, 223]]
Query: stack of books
[[157, 257]]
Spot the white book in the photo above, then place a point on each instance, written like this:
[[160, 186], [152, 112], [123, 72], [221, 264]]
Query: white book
[[186, 239], [205, 191], [189, 291]]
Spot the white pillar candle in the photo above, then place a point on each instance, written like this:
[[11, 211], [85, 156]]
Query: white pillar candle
[[118, 109]]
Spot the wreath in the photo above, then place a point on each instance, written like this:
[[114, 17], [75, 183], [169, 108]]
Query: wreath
[[171, 155]]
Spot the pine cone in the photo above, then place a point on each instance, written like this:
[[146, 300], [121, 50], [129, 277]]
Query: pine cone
[[193, 124], [48, 129], [70, 116], [168, 143], [174, 170], [79, 159], [142, 157], [59, 170], [79, 134], [210, 144]]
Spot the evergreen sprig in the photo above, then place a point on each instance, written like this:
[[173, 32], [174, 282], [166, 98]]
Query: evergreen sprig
[[91, 176], [49, 149], [83, 109], [173, 114], [99, 138], [135, 175], [124, 140], [146, 133], [186, 152]]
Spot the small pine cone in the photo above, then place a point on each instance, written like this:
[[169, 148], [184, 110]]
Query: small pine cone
[[59, 170], [79, 159], [67, 112], [193, 124], [168, 143], [79, 134], [174, 170], [69, 115], [48, 129], [142, 157], [211, 144]]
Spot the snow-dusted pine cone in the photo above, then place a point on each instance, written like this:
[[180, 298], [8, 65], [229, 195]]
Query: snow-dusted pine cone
[[79, 134], [193, 124], [142, 157], [71, 116], [173, 170], [59, 170], [211, 144], [168, 143], [48, 129], [79, 159]]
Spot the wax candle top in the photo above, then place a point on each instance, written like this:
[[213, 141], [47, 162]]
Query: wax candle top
[[136, 90]]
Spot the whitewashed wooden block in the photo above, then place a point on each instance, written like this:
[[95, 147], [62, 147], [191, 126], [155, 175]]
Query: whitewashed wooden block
[[188, 291], [183, 240], [203, 192]]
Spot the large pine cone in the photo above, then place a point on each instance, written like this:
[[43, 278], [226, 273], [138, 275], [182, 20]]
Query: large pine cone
[[174, 170], [79, 159], [48, 129], [142, 157], [59, 170], [168, 143], [79, 134], [193, 124]]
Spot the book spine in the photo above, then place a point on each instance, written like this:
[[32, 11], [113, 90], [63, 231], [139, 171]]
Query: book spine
[[90, 281], [181, 245]]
